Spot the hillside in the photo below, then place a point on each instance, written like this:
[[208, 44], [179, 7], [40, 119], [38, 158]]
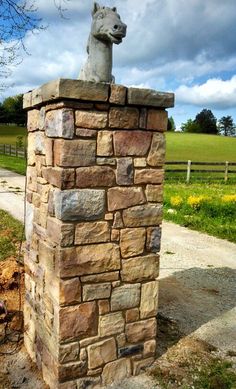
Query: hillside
[[200, 147]]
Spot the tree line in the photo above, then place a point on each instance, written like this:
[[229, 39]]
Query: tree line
[[11, 111], [206, 123]]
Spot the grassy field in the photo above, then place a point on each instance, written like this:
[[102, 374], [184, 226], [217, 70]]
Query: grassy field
[[11, 231], [9, 134], [15, 164], [206, 208]]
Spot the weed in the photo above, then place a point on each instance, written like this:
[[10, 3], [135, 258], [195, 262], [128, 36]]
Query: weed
[[10, 235]]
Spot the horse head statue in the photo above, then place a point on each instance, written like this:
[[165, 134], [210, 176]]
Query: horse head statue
[[107, 28]]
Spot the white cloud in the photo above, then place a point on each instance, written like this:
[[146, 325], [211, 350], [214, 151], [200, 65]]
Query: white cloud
[[214, 93]]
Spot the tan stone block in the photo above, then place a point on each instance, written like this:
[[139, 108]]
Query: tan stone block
[[83, 354], [69, 352], [103, 307], [104, 144], [31, 157], [85, 133], [154, 193], [36, 200], [94, 372], [33, 120], [27, 100], [157, 120], [60, 123], [132, 241], [101, 353], [118, 94], [78, 321], [72, 370], [117, 371], [125, 297], [132, 315], [43, 213], [150, 97], [92, 232], [124, 118], [70, 291], [59, 232], [47, 255], [149, 300], [141, 330], [143, 215], [104, 277], [83, 260], [115, 235], [138, 366], [139, 269], [108, 216], [131, 143], [61, 178], [49, 151], [156, 156], [91, 119], [44, 192], [96, 291], [118, 222], [140, 162], [149, 176], [111, 324], [121, 340], [87, 341], [119, 198], [74, 153], [149, 348], [125, 171], [94, 176]]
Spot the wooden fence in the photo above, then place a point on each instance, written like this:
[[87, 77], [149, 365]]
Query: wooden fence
[[13, 150], [190, 167]]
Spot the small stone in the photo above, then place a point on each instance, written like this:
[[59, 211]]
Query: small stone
[[143, 215], [149, 300], [79, 152], [119, 198], [118, 222], [85, 133], [154, 193], [139, 269], [153, 239], [69, 352], [106, 161], [104, 144], [92, 232], [132, 241], [131, 143], [149, 348], [101, 353], [125, 171], [157, 120], [60, 123], [140, 162], [108, 216], [80, 204], [91, 119], [103, 307], [156, 156], [115, 235], [105, 277], [132, 315], [111, 324], [96, 291], [83, 354], [94, 176], [61, 178], [118, 94], [121, 340], [70, 291], [149, 176], [33, 120], [117, 371], [78, 321], [141, 330], [124, 118], [125, 297]]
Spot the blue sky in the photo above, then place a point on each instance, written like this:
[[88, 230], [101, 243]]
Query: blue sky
[[183, 46]]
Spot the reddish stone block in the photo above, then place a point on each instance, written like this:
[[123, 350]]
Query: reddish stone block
[[149, 176], [78, 152], [119, 198], [118, 94], [94, 176], [61, 178], [157, 120], [124, 118], [133, 143]]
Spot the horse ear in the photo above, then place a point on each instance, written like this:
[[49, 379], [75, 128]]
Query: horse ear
[[114, 9], [96, 7]]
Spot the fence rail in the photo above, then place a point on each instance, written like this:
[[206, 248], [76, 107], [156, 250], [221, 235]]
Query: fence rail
[[189, 168], [13, 150]]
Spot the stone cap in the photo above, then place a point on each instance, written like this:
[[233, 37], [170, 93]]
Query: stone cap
[[91, 91]]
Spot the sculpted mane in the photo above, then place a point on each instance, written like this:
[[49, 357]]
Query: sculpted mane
[[107, 28]]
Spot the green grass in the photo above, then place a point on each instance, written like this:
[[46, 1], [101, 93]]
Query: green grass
[[15, 164], [10, 235], [9, 134], [200, 147], [209, 214]]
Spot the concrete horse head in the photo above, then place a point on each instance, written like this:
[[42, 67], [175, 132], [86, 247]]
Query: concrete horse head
[[107, 28]]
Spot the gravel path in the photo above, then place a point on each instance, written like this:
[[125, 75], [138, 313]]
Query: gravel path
[[197, 280]]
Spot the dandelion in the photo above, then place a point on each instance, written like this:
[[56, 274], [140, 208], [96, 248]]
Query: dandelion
[[229, 198], [176, 201], [196, 201]]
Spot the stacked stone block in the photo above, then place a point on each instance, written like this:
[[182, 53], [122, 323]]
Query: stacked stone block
[[94, 211]]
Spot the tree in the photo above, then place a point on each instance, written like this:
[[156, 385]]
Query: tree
[[13, 110], [190, 126], [207, 122], [171, 124], [16, 19], [226, 126]]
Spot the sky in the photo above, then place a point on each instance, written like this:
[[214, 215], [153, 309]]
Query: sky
[[183, 46]]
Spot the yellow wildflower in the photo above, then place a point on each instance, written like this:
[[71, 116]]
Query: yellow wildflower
[[196, 201], [176, 201], [229, 198]]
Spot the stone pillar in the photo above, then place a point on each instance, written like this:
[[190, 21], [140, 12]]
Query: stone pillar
[[94, 213]]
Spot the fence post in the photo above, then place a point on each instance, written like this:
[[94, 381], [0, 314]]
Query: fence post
[[226, 170], [188, 171]]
